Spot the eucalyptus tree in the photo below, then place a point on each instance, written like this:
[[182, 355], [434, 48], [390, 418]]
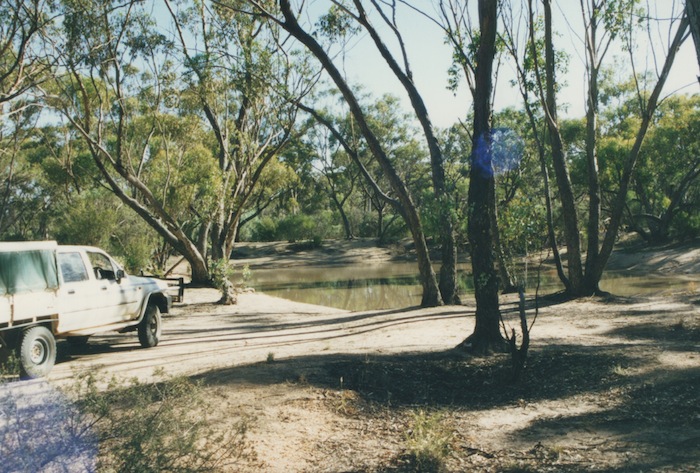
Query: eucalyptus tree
[[611, 19], [23, 65], [401, 68], [23, 197], [147, 130], [392, 131], [648, 103], [23, 24], [244, 85], [101, 94], [287, 18], [462, 34], [663, 203], [338, 177], [525, 46], [482, 193], [401, 140]]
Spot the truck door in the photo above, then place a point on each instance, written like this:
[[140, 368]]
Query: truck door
[[84, 301], [120, 297]]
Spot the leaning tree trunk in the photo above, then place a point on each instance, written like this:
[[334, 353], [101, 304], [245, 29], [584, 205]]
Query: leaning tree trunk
[[431, 292], [448, 270], [618, 206], [482, 195]]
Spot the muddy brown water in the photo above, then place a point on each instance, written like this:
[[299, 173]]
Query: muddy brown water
[[360, 287]]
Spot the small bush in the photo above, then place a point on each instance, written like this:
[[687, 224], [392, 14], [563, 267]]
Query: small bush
[[265, 229], [222, 278], [428, 443], [157, 427], [296, 228], [111, 425], [9, 366]]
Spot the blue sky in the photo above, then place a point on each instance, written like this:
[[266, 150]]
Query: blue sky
[[430, 59]]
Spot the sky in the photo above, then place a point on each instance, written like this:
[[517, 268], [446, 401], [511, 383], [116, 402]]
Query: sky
[[430, 59]]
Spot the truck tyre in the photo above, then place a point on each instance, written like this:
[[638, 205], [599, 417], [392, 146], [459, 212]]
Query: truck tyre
[[149, 328], [37, 352]]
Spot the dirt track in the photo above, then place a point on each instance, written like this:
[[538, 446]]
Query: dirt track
[[200, 335]]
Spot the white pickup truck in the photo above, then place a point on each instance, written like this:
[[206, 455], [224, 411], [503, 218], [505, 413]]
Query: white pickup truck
[[50, 291]]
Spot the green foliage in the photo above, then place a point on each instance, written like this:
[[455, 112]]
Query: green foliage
[[134, 243], [337, 24], [221, 272], [428, 443], [9, 366], [665, 201], [264, 229], [686, 224], [296, 227], [88, 220], [293, 228], [153, 427], [523, 225], [97, 219]]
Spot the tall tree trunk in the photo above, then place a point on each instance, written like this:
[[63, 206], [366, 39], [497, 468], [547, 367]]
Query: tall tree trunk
[[431, 292], [561, 171], [482, 194], [344, 217], [525, 90], [551, 234], [692, 10], [593, 227]]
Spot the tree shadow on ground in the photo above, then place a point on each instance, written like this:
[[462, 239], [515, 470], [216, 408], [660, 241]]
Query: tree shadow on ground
[[650, 425], [643, 420], [442, 379], [683, 334]]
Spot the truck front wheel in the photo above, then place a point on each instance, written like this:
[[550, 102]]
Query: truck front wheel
[[37, 352], [149, 328]]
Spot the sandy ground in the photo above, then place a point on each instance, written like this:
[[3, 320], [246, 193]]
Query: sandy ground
[[612, 384]]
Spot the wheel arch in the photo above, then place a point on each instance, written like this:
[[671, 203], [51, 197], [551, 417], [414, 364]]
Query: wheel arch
[[160, 300]]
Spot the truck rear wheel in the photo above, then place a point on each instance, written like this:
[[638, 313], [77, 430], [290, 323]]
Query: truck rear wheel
[[37, 352], [150, 328]]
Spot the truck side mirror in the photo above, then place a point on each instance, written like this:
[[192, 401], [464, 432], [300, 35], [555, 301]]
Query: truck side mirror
[[120, 275]]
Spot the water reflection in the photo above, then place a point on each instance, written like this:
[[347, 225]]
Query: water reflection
[[351, 287], [396, 285]]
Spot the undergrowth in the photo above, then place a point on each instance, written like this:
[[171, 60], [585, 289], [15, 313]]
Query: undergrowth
[[115, 425]]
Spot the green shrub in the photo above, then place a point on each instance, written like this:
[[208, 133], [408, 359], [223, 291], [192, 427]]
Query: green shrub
[[296, 228], [135, 243], [89, 220], [97, 219], [9, 366], [112, 425], [156, 427], [686, 226], [428, 443], [265, 229]]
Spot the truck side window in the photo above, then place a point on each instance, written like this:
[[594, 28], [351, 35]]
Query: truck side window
[[72, 267], [101, 265]]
